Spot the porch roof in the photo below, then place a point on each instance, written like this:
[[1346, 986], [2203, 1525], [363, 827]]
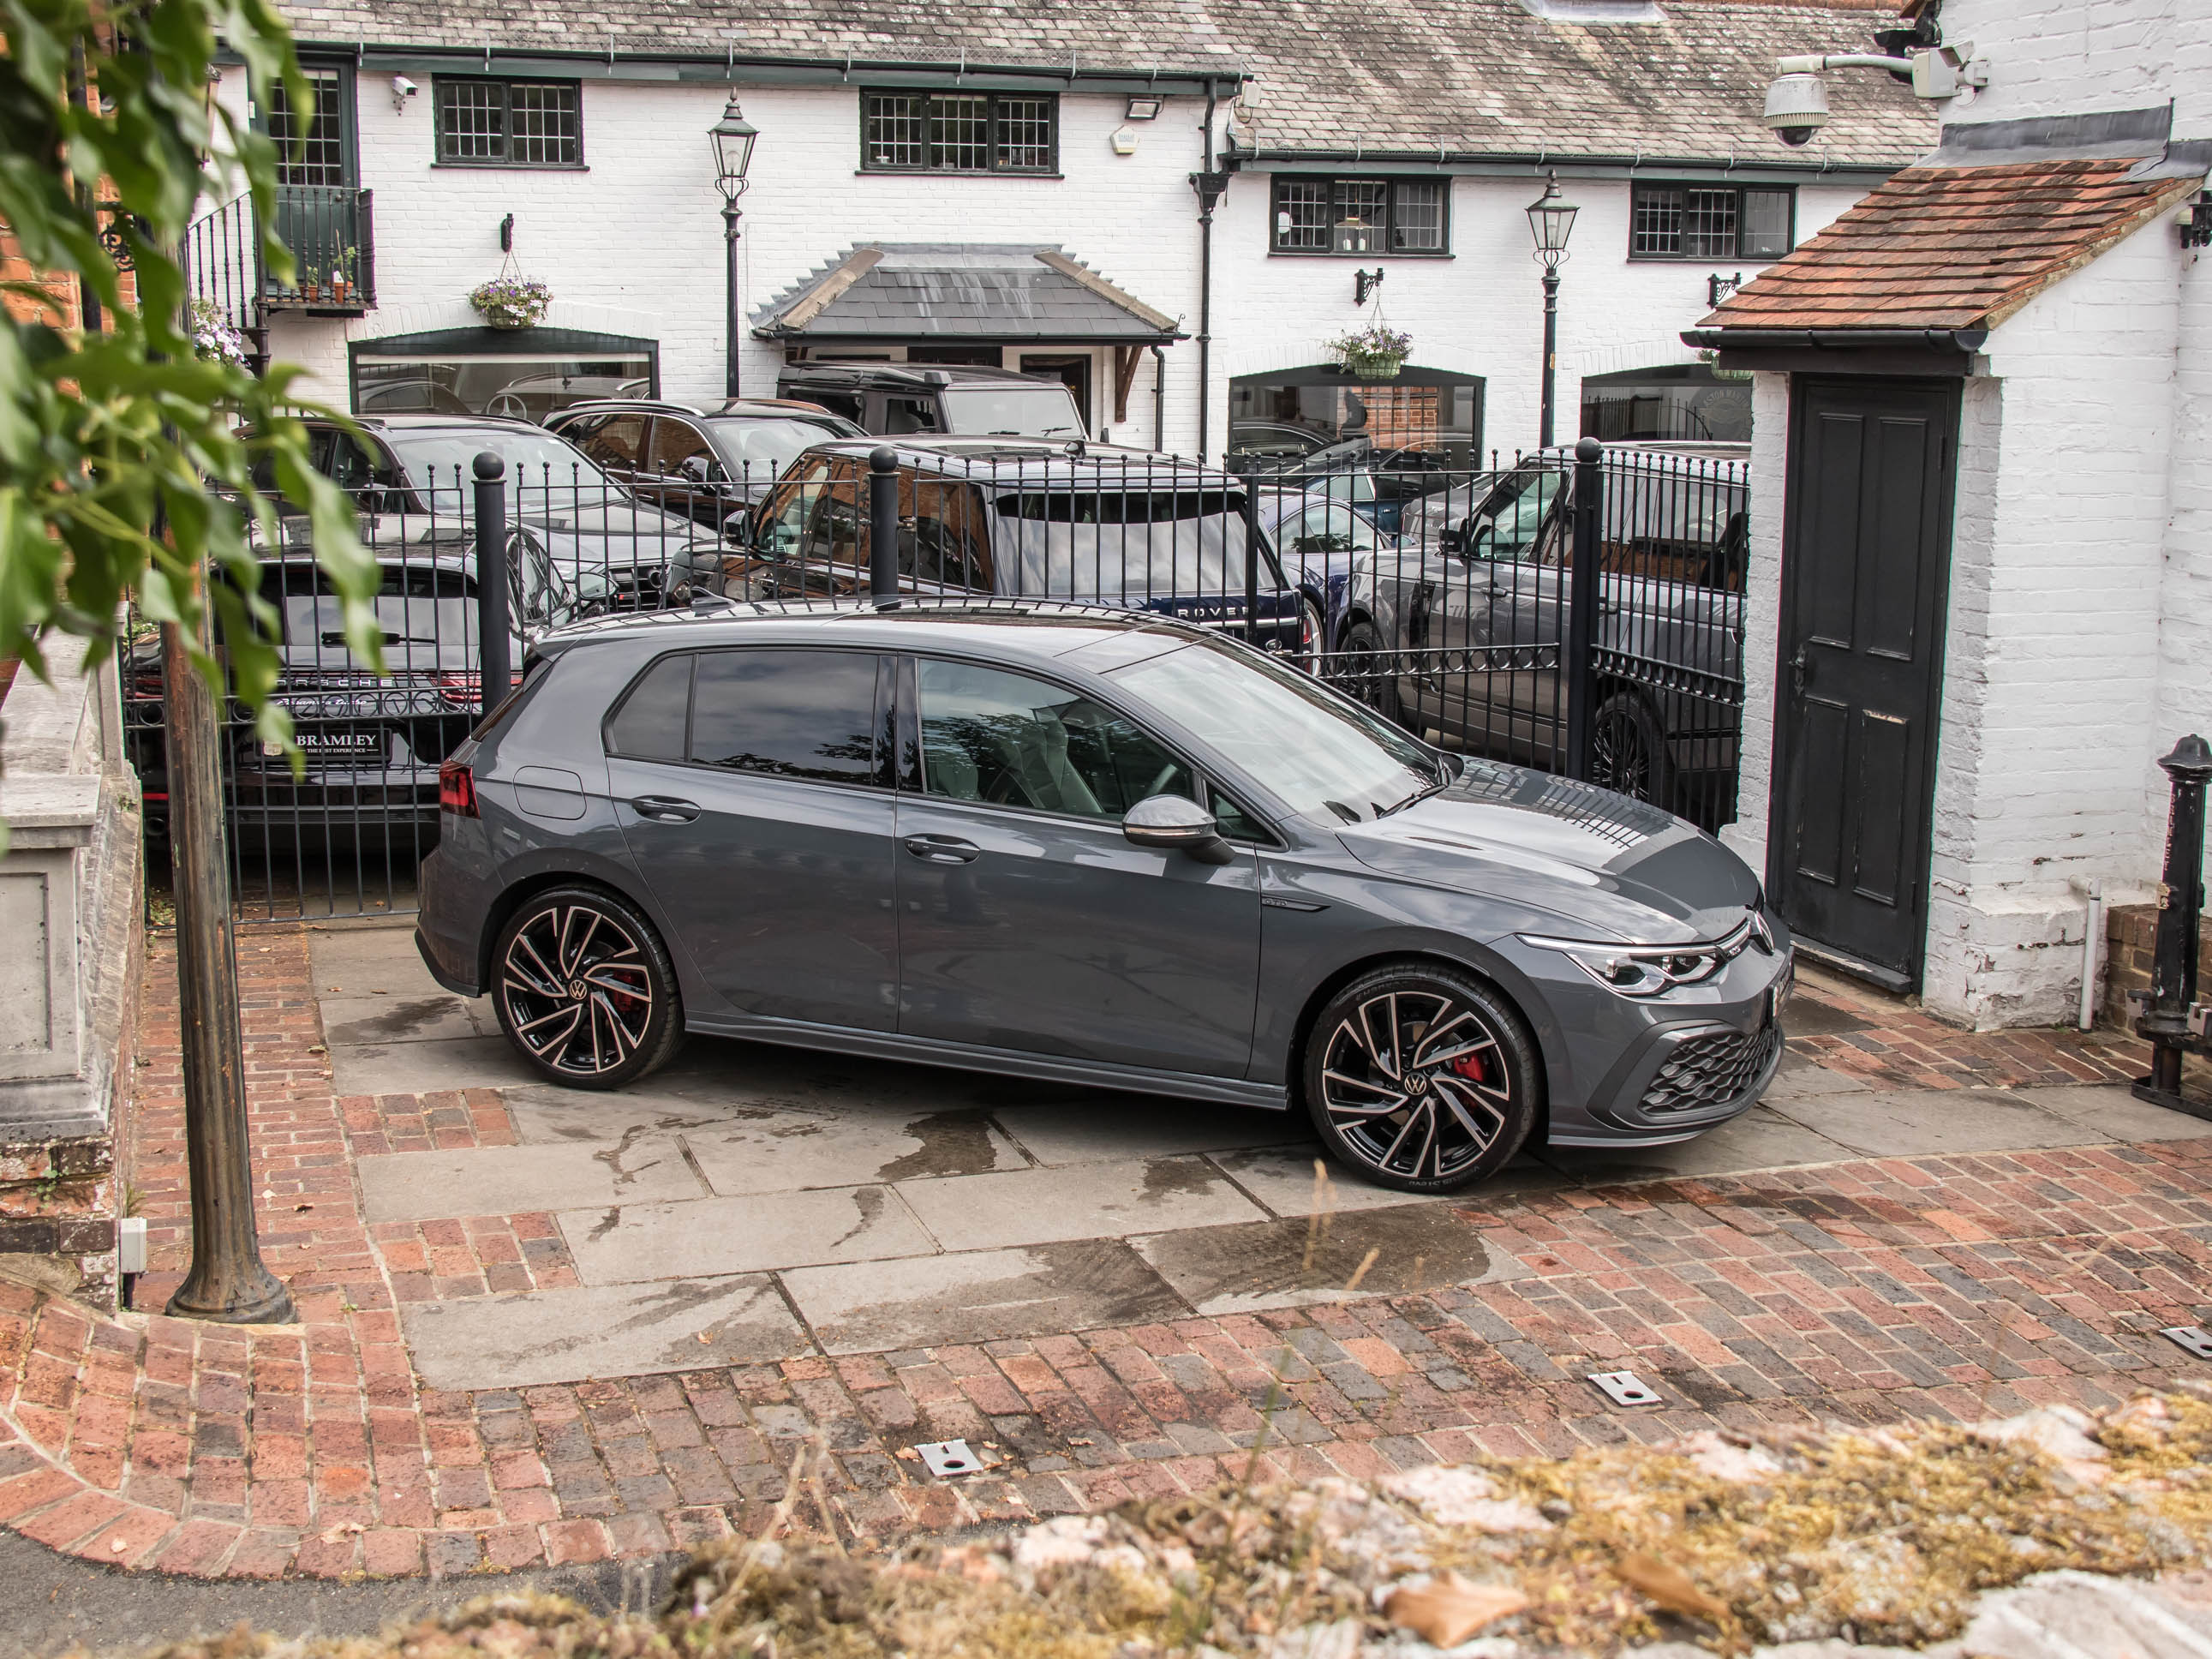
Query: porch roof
[[964, 291], [1947, 249]]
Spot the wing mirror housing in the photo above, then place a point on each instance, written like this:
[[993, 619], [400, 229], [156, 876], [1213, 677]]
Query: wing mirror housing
[[1168, 824], [1453, 542]]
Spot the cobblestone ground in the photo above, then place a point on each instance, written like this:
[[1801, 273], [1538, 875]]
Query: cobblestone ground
[[1965, 1286]]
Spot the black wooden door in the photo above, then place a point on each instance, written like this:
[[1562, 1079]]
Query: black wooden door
[[1866, 561]]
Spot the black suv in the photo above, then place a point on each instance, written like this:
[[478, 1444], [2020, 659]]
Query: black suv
[[704, 461], [896, 400]]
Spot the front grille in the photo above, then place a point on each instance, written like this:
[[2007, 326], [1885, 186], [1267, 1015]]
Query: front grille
[[1707, 1072]]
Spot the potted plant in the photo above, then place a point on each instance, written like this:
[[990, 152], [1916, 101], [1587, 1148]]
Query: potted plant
[[511, 301], [342, 278], [1375, 352], [213, 337]]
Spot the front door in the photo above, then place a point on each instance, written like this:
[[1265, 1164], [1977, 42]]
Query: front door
[[318, 176], [752, 792], [1026, 919], [1866, 561]]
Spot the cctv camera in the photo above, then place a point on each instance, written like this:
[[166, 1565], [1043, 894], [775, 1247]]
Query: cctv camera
[[1796, 108], [403, 87]]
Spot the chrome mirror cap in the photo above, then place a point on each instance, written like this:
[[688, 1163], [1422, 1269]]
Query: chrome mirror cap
[[1171, 823]]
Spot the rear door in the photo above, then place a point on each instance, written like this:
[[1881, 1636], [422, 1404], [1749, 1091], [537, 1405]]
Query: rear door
[[1027, 920], [752, 788]]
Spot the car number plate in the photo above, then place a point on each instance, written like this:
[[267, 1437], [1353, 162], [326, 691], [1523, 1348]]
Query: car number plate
[[314, 742]]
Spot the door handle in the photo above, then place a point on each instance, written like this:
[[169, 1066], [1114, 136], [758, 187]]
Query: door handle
[[665, 809], [1800, 673], [942, 849]]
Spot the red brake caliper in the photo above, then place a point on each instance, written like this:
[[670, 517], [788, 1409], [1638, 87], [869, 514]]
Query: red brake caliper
[[1474, 1067]]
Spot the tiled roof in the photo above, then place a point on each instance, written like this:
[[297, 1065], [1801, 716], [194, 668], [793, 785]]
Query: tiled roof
[[1952, 247], [1480, 77], [960, 291]]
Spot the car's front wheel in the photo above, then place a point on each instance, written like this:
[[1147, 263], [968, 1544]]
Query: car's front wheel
[[584, 990], [1423, 1078], [1365, 673]]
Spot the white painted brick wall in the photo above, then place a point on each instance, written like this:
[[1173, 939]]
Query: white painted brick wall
[[2068, 57], [634, 246]]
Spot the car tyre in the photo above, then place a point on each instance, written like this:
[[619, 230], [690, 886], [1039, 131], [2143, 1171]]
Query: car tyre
[[1363, 680], [584, 953], [1628, 749], [1422, 1078]]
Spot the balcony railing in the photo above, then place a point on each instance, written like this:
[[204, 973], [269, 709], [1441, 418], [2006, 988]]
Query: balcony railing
[[332, 233]]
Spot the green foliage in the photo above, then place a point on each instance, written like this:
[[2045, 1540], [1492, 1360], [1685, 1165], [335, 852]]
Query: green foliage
[[127, 463]]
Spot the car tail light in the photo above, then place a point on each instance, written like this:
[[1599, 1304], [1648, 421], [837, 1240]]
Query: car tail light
[[458, 691], [457, 790]]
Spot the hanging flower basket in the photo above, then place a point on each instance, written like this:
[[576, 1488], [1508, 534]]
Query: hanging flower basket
[[1376, 352], [512, 302]]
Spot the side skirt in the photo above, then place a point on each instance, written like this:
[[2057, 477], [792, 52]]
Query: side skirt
[[1051, 1068]]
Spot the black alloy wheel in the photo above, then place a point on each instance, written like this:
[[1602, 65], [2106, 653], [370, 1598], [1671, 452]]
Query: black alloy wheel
[[1421, 1077], [584, 991], [1628, 749], [1364, 674]]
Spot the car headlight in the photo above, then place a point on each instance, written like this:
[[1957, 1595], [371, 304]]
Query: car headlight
[[1652, 971]]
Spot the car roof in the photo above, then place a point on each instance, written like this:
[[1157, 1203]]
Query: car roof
[[783, 409], [1044, 459], [906, 374], [431, 422], [1038, 628]]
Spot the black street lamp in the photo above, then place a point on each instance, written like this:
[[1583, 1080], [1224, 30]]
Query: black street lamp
[[733, 137], [1551, 219]]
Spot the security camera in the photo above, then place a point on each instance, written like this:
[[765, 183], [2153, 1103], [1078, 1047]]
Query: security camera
[[1796, 108], [402, 90]]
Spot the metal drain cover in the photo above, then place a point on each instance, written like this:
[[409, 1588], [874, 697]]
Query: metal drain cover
[[946, 1458], [2189, 1338], [1625, 1387]]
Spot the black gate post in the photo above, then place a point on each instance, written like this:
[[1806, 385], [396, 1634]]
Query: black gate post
[[493, 672], [1251, 562], [2173, 994], [883, 527], [1582, 589]]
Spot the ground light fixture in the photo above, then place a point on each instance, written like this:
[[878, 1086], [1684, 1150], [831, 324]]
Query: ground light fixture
[[1550, 221], [733, 137]]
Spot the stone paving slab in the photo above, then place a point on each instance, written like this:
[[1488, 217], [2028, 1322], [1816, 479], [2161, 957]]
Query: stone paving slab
[[539, 1337], [427, 1068], [1259, 1266], [1089, 1201], [980, 1295], [791, 1151], [353, 1022], [1909, 1122], [631, 1243], [1762, 1138], [2116, 1115], [1114, 1127], [509, 1180]]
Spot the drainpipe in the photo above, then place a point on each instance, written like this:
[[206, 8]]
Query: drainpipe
[[1159, 399], [2093, 891], [1209, 185]]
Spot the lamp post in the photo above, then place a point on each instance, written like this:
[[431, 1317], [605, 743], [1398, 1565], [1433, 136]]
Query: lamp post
[[732, 137], [1551, 219]]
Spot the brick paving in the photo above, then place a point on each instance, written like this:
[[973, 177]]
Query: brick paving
[[1958, 1286]]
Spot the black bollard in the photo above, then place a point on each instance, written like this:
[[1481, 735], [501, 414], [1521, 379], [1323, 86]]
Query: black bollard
[[2168, 1004], [493, 672], [883, 527]]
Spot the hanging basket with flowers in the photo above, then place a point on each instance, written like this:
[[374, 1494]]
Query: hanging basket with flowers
[[214, 338], [508, 301], [1375, 352]]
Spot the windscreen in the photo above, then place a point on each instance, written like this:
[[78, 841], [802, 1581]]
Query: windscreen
[[1129, 544], [760, 450], [538, 460], [1011, 411]]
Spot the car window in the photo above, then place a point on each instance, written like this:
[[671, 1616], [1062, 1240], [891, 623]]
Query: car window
[[941, 533], [1510, 522], [1121, 543], [680, 450], [790, 714], [651, 721], [760, 449], [612, 440], [1010, 740], [904, 415], [1330, 530], [783, 526]]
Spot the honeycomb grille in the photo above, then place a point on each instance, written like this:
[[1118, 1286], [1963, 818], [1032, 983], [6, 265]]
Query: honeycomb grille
[[1710, 1071]]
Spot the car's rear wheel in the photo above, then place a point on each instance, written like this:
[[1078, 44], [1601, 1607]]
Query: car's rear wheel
[[584, 990], [1363, 673], [1628, 749], [1421, 1077]]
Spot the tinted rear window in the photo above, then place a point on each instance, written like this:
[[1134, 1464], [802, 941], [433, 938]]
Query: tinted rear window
[[792, 713], [650, 724]]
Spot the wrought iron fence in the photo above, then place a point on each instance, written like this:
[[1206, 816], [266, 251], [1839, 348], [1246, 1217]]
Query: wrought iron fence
[[1442, 598]]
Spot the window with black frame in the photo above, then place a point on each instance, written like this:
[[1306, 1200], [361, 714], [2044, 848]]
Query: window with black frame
[[960, 132], [1361, 216], [1712, 221], [485, 123]]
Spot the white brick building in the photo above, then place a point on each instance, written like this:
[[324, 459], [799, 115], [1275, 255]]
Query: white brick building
[[2023, 318], [1440, 118]]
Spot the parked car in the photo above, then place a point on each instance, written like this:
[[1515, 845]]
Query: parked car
[[371, 744], [1069, 843], [1015, 517], [539, 396], [1471, 612], [411, 478], [896, 400], [707, 461], [1319, 542], [1380, 483]]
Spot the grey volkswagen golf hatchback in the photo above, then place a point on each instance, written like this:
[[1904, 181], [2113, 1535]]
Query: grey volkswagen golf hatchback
[[1091, 846]]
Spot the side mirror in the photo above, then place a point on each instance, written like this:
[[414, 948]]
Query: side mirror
[[1168, 824], [1453, 543]]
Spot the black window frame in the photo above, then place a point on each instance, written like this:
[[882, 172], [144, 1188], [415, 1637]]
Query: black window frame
[[880, 776], [994, 102], [1642, 189], [1391, 183], [507, 84]]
